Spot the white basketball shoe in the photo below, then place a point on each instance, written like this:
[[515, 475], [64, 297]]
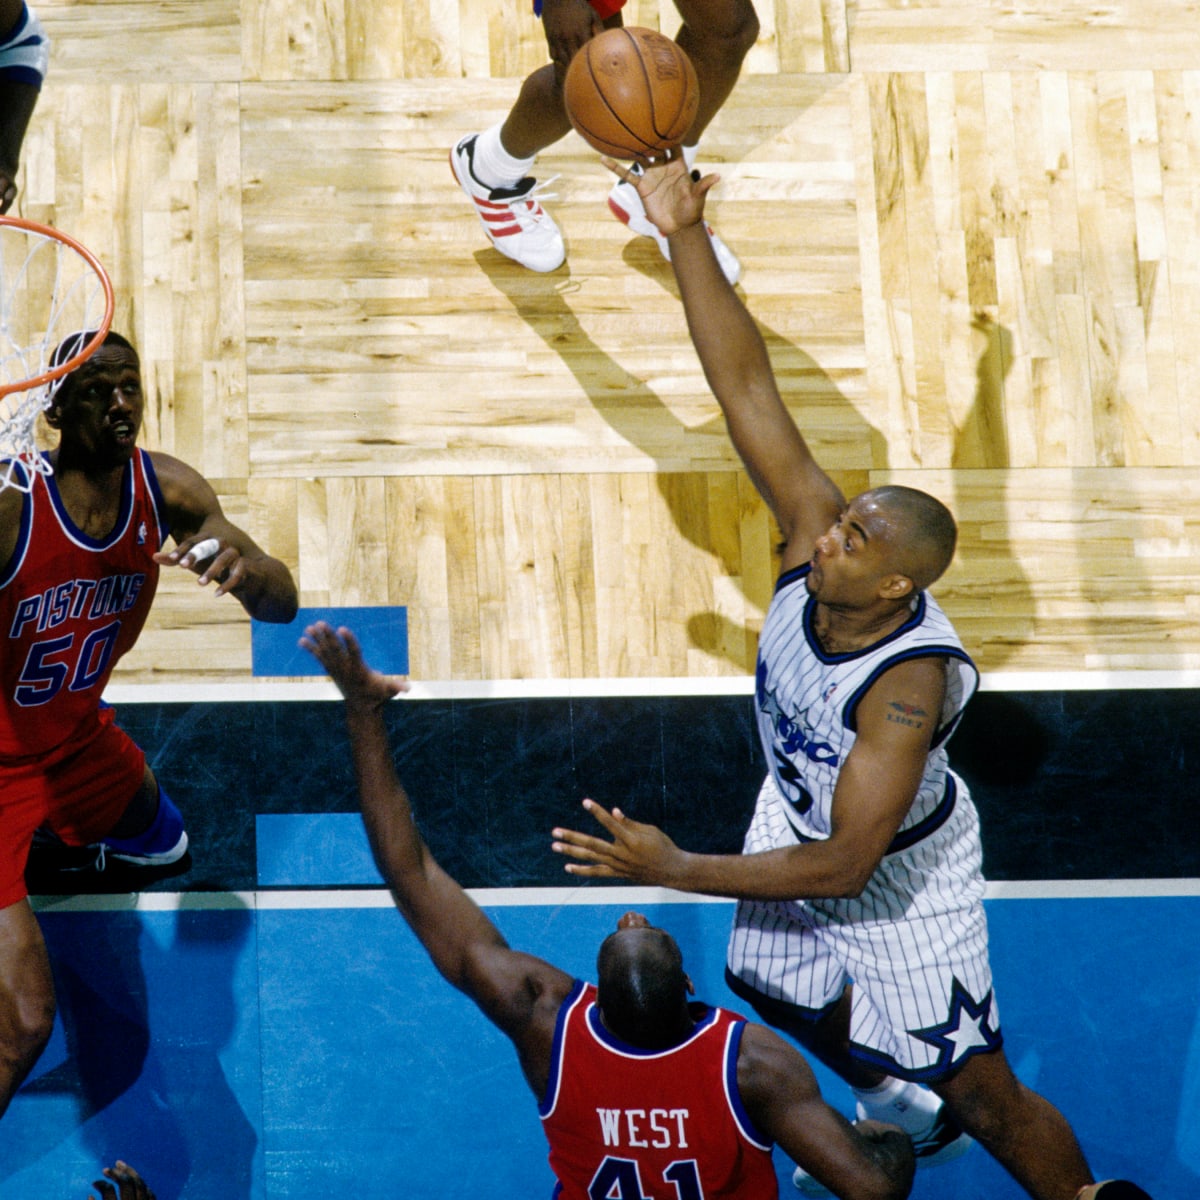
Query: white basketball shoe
[[512, 217], [626, 205], [942, 1142]]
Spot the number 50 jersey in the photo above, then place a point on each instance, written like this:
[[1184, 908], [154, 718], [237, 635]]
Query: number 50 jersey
[[70, 606]]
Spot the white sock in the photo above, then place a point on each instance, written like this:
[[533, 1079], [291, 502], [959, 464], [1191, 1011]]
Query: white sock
[[900, 1102], [493, 166]]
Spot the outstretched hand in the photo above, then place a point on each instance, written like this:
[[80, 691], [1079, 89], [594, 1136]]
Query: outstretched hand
[[339, 653], [673, 198], [638, 852], [132, 1186]]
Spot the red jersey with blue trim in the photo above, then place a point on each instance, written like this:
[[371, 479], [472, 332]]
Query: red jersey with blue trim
[[70, 606], [631, 1124]]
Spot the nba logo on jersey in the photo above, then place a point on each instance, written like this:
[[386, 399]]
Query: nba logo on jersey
[[141, 534]]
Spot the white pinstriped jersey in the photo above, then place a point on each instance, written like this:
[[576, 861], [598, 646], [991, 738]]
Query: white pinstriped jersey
[[807, 703], [914, 942]]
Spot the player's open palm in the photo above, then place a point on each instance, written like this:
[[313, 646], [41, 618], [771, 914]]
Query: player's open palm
[[673, 199], [638, 852], [338, 651]]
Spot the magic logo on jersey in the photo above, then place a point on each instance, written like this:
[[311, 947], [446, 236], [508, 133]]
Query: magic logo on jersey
[[792, 737]]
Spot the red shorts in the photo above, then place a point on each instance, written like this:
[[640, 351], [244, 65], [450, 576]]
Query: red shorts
[[79, 791]]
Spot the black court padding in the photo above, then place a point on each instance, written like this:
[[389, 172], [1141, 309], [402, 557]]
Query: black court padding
[[1070, 785]]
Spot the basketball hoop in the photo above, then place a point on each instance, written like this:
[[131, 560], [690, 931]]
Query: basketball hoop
[[50, 287]]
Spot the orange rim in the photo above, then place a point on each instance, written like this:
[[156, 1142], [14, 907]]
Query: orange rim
[[57, 235]]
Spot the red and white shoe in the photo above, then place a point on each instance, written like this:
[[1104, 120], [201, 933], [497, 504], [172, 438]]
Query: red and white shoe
[[626, 205], [513, 217]]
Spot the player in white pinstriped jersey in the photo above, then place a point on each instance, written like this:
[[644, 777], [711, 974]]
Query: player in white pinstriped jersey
[[860, 928], [926, 888]]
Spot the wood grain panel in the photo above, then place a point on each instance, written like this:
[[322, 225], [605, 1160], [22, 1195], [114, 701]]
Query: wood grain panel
[[969, 232], [131, 41], [980, 35]]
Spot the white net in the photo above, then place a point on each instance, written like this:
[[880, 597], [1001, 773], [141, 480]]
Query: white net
[[50, 288]]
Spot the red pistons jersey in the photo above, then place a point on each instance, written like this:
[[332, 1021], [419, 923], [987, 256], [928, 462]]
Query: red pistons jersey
[[70, 606], [630, 1124]]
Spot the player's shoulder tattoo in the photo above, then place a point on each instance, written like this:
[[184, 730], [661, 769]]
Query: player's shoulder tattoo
[[901, 713]]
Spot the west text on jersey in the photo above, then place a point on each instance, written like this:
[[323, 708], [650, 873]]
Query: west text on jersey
[[640, 1128]]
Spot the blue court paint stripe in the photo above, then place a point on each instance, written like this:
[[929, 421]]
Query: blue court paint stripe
[[381, 630], [314, 850]]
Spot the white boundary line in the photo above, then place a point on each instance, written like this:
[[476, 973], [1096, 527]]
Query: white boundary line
[[541, 689], [625, 897]]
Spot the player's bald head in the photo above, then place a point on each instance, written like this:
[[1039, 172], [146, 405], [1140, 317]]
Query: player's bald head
[[641, 986], [922, 531]]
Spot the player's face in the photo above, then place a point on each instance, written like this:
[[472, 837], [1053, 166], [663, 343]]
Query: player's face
[[854, 556], [101, 414]]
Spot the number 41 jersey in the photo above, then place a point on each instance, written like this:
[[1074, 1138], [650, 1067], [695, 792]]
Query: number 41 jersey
[[630, 1124], [70, 606]]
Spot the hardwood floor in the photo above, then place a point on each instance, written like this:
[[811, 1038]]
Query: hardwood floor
[[970, 234]]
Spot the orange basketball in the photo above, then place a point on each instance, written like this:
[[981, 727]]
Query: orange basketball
[[630, 93]]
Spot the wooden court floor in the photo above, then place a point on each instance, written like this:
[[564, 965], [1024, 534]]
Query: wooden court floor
[[970, 234]]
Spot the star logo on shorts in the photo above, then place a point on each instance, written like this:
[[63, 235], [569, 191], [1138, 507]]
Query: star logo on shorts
[[966, 1031]]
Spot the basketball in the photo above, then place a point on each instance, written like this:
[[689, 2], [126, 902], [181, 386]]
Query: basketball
[[631, 93]]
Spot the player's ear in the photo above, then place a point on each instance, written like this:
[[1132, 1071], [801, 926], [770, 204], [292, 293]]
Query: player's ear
[[896, 587], [53, 414]]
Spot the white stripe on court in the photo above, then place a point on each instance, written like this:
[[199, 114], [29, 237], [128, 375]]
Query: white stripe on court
[[548, 689], [625, 897]]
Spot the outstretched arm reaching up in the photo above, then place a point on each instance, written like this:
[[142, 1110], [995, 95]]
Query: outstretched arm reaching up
[[516, 991], [804, 500]]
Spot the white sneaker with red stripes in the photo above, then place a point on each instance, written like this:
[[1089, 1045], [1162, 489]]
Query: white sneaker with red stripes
[[513, 217]]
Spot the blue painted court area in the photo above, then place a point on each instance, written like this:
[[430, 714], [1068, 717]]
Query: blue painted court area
[[154, 1058], [264, 1051], [382, 631]]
